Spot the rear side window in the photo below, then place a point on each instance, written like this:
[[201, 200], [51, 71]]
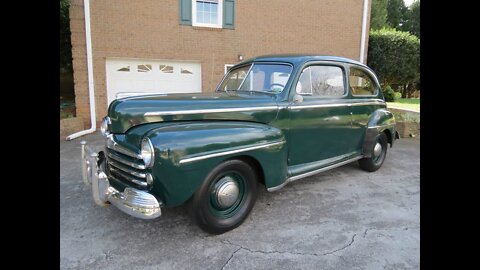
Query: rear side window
[[325, 81], [361, 84]]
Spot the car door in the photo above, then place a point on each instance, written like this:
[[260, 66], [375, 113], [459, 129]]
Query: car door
[[365, 99], [320, 125]]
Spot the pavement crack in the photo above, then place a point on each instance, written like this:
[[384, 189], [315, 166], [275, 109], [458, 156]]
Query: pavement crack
[[365, 232], [342, 248], [288, 252], [231, 256]]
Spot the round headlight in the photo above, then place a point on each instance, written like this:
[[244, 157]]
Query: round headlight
[[104, 126], [147, 152]]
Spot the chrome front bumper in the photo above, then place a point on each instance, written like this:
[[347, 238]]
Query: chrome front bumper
[[132, 201]]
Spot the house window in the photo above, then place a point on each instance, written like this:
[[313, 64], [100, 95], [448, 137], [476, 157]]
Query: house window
[[207, 13], [227, 68]]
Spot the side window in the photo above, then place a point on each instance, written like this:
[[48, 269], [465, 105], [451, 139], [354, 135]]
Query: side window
[[326, 81], [235, 78], [360, 83]]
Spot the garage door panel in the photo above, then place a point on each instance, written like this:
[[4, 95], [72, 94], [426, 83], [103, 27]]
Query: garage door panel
[[147, 76]]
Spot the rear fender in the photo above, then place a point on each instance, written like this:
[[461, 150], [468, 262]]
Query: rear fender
[[380, 121]]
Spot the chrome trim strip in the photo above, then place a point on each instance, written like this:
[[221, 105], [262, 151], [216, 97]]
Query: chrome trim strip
[[132, 164], [337, 105], [300, 176], [187, 160], [128, 177], [200, 111], [125, 169], [116, 147], [380, 126], [275, 188]]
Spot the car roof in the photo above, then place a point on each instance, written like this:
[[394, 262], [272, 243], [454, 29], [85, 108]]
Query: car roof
[[301, 58]]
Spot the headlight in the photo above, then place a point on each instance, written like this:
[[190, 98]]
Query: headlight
[[104, 126], [147, 152]]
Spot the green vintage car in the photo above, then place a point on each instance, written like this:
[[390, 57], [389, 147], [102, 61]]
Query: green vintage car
[[272, 120]]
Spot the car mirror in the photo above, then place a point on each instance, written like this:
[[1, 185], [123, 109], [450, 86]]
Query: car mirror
[[297, 99]]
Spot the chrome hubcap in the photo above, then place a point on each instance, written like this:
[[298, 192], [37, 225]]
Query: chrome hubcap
[[377, 150], [227, 192]]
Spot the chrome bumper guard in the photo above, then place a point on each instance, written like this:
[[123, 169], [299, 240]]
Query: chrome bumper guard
[[132, 201]]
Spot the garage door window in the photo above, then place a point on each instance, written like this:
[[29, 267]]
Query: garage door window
[[144, 68], [185, 71], [125, 68], [166, 68]]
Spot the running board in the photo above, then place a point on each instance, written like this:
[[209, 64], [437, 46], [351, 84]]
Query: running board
[[300, 176]]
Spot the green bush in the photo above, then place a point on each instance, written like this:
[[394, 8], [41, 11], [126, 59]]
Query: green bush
[[394, 56], [397, 96], [389, 94]]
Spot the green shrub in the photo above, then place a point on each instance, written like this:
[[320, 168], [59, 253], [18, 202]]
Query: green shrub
[[389, 94], [398, 95], [394, 56]]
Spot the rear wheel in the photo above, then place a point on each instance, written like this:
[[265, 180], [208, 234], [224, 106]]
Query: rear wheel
[[379, 152], [225, 198]]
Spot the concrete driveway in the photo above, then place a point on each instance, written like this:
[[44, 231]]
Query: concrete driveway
[[341, 219]]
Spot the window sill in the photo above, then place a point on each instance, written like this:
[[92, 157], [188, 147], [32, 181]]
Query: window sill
[[207, 28]]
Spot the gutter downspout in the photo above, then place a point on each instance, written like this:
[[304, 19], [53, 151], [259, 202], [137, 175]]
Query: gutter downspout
[[91, 89], [364, 30]]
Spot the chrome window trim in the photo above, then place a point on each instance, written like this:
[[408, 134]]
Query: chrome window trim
[[200, 111], [217, 89], [339, 65], [187, 160], [241, 84]]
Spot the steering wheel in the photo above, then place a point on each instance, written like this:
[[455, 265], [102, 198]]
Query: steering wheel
[[276, 84]]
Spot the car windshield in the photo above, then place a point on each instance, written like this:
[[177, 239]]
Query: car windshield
[[262, 77]]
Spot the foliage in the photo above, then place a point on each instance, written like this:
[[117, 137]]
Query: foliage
[[398, 95], [65, 43], [412, 19], [388, 94], [395, 57], [378, 16], [396, 11]]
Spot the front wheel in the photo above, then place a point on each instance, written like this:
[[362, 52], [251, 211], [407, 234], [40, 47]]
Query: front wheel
[[379, 152], [225, 198]]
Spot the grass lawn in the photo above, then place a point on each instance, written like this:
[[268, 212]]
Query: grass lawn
[[407, 103]]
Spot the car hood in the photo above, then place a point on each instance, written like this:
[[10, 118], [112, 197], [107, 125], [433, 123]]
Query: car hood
[[128, 112]]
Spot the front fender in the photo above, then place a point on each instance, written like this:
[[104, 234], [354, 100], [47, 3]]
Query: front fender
[[186, 152], [380, 121]]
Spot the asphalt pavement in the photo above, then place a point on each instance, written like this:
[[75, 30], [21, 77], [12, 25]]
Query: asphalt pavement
[[344, 218]]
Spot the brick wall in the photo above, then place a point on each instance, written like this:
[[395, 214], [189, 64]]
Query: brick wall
[[150, 29]]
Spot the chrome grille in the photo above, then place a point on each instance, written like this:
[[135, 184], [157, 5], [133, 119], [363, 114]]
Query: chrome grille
[[124, 164]]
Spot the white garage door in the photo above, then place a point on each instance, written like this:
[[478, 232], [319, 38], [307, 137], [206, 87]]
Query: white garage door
[[147, 76]]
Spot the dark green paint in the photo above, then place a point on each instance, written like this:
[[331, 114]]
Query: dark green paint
[[314, 137]]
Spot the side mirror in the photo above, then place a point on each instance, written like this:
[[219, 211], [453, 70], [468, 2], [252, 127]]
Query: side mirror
[[297, 99]]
